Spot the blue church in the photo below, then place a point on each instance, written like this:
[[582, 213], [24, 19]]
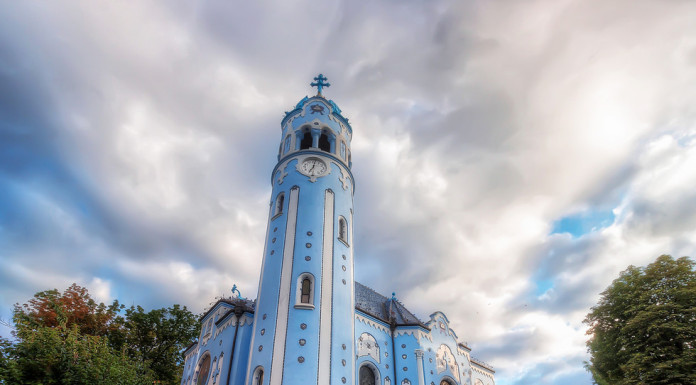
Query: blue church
[[311, 322]]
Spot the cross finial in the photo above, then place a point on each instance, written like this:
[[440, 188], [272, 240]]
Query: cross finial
[[320, 83]]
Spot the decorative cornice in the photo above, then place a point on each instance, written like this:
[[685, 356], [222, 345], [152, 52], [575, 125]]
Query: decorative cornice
[[374, 324]]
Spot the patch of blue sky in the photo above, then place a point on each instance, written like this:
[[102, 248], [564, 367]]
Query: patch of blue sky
[[583, 223], [542, 286]]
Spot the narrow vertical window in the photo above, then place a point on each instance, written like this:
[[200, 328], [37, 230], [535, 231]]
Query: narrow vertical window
[[343, 229], [306, 287], [343, 150], [257, 378], [304, 298], [280, 201]]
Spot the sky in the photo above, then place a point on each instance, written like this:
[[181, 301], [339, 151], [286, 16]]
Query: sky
[[510, 157]]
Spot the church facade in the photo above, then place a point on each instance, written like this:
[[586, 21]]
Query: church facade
[[311, 322]]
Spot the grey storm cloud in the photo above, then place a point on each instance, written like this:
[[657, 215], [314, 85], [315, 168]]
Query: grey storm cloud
[[137, 141]]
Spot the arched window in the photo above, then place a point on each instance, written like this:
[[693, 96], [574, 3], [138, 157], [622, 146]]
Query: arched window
[[305, 291], [324, 143], [203, 370], [306, 141], [306, 288], [343, 229], [257, 378], [343, 150], [367, 376], [280, 201]]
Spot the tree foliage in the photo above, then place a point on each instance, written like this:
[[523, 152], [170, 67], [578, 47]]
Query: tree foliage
[[68, 338], [643, 330]]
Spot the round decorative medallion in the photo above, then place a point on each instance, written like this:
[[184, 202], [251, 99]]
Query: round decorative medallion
[[303, 326], [300, 359]]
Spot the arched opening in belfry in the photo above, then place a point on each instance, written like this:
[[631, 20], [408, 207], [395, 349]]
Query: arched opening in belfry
[[324, 143], [306, 141]]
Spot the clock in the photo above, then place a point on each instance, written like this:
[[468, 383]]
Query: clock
[[313, 168]]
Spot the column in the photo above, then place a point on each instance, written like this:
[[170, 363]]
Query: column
[[419, 363]]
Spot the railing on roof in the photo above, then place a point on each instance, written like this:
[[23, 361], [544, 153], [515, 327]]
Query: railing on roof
[[482, 363]]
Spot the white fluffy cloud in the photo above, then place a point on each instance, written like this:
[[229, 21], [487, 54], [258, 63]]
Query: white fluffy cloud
[[137, 142]]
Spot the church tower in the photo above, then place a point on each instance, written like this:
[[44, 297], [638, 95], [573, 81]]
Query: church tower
[[303, 324]]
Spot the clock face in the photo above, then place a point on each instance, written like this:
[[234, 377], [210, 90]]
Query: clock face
[[313, 167]]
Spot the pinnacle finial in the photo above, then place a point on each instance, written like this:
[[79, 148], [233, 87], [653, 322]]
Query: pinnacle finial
[[235, 290], [320, 83]]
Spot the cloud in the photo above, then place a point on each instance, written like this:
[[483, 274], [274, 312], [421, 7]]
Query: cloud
[[136, 143]]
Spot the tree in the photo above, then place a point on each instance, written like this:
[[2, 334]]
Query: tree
[[74, 306], [158, 338], [61, 355], [70, 338], [643, 330]]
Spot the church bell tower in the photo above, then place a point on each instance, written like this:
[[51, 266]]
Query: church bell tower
[[303, 323]]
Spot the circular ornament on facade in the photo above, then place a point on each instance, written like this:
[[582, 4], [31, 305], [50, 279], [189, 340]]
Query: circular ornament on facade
[[275, 229], [272, 252], [403, 356], [264, 316], [303, 326], [403, 346], [313, 167], [343, 267], [343, 362], [263, 331], [220, 343], [308, 245], [302, 341], [343, 380], [344, 257], [343, 346], [300, 359], [405, 369], [344, 281], [386, 354], [309, 233], [387, 366], [430, 359], [273, 240], [260, 347], [307, 258]]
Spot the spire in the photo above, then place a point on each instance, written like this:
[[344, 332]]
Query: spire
[[320, 83]]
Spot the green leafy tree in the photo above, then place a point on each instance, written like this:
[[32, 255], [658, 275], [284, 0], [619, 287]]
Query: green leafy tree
[[643, 330], [158, 337], [61, 355], [68, 338]]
